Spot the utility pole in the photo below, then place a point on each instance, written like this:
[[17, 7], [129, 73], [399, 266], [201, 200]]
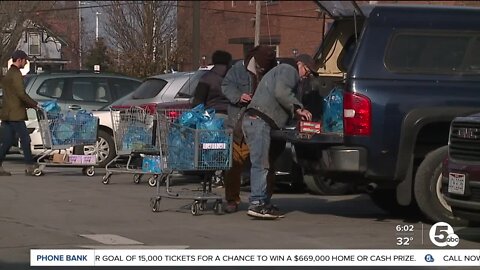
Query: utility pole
[[258, 12], [96, 25], [80, 35], [196, 34]]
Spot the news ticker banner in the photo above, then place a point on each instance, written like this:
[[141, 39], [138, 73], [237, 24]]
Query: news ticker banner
[[255, 257]]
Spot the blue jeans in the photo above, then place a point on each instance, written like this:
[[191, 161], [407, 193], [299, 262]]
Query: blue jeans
[[9, 128], [257, 136]]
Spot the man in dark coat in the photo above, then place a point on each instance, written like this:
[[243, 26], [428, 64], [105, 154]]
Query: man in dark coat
[[14, 112], [209, 88]]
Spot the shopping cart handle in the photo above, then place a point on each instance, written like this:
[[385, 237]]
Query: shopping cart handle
[[41, 113]]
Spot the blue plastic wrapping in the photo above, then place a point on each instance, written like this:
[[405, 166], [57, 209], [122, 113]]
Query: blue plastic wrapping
[[52, 109], [193, 130], [137, 137], [87, 126], [72, 128], [332, 120], [152, 164]]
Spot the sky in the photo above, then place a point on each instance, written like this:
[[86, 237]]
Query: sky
[[89, 20]]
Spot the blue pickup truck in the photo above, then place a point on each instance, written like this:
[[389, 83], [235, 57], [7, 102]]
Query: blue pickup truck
[[406, 71]]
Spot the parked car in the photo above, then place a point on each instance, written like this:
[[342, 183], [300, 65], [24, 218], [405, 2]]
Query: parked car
[[461, 169], [403, 80], [73, 90]]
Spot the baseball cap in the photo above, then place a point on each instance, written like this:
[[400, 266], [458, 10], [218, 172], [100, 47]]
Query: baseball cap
[[308, 61], [19, 54]]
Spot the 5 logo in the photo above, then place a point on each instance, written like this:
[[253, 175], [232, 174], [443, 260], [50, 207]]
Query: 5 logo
[[442, 235]]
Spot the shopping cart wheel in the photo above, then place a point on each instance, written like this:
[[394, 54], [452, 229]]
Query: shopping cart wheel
[[203, 205], [136, 178], [89, 171], [218, 207], [37, 172], [106, 178], [195, 208], [155, 204], [152, 181]]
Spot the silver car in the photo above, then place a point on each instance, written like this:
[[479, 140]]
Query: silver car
[[176, 88]]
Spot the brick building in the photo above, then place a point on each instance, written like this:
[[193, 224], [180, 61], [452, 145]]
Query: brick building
[[230, 25]]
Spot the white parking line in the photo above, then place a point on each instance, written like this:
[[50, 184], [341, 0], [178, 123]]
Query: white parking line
[[111, 239]]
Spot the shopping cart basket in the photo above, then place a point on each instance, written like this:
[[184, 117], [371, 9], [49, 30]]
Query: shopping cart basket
[[134, 136], [185, 149], [62, 131]]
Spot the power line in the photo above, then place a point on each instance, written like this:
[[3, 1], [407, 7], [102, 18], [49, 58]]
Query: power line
[[183, 6]]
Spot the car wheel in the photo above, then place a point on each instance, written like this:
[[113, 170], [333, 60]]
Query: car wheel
[[106, 148], [320, 185], [428, 189]]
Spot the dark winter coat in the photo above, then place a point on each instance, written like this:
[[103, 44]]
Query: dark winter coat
[[15, 101], [209, 90]]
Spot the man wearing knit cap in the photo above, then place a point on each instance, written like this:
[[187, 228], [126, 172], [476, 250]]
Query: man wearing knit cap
[[238, 86], [272, 105]]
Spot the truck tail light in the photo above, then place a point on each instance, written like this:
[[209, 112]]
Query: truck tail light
[[357, 114]]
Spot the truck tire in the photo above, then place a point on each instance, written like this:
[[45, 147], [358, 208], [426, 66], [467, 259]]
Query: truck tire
[[320, 185], [427, 189]]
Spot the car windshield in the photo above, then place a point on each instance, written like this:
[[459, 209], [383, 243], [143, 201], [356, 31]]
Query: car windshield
[[148, 89]]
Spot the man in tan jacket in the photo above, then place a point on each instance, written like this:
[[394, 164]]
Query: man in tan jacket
[[14, 112]]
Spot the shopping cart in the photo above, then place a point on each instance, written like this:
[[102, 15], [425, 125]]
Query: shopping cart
[[62, 131], [134, 136], [184, 149]]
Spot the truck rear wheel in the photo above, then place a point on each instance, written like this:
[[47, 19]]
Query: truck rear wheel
[[428, 189], [320, 185]]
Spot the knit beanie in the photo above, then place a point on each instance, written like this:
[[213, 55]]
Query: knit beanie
[[221, 58], [265, 57]]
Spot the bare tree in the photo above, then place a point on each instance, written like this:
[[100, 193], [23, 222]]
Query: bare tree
[[142, 32], [14, 17]]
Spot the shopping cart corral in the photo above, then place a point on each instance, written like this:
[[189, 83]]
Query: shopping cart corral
[[134, 136], [184, 149], [63, 130]]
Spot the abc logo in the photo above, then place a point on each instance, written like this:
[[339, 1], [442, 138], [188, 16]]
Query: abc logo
[[442, 235]]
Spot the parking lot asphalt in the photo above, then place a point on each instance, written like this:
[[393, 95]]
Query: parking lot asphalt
[[64, 209]]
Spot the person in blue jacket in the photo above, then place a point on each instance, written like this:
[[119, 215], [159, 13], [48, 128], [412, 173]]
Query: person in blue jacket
[[272, 105]]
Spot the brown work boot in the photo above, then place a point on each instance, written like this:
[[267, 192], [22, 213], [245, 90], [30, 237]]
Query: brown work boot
[[3, 172], [30, 169]]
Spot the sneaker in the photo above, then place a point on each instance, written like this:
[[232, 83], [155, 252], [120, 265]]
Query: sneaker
[[231, 207], [275, 208], [264, 212], [3, 172]]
